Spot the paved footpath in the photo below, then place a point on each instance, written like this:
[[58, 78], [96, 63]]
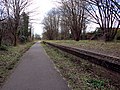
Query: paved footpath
[[35, 72]]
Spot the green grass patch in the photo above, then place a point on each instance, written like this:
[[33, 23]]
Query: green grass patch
[[96, 83], [9, 58], [79, 73]]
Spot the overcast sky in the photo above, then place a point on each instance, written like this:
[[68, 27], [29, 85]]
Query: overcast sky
[[39, 9]]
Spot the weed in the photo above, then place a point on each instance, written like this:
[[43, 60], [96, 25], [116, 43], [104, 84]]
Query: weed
[[76, 71], [98, 84], [4, 48], [9, 58]]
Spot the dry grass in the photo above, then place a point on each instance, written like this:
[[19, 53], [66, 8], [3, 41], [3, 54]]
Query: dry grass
[[9, 58], [80, 74], [109, 48]]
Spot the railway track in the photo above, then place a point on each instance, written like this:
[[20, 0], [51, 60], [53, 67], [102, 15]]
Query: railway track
[[108, 62]]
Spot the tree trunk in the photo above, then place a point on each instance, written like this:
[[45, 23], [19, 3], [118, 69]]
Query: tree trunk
[[77, 39], [110, 36], [0, 40], [15, 40]]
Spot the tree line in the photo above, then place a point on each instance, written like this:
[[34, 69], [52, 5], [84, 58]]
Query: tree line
[[14, 22], [70, 19]]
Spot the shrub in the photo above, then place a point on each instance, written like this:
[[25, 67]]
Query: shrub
[[96, 83], [4, 48], [118, 35], [22, 39]]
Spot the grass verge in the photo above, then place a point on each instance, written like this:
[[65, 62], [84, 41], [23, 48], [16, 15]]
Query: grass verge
[[109, 48], [80, 74], [9, 58]]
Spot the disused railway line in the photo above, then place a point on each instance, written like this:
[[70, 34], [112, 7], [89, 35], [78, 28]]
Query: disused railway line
[[108, 62]]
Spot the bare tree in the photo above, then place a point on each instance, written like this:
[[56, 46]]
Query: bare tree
[[64, 24], [2, 20], [14, 11], [116, 2], [75, 16], [64, 28], [51, 24], [106, 15]]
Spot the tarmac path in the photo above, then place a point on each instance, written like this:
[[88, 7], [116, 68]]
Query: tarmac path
[[35, 71]]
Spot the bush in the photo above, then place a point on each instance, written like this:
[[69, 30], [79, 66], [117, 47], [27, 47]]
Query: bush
[[118, 38], [3, 48], [118, 35], [22, 39], [96, 83]]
